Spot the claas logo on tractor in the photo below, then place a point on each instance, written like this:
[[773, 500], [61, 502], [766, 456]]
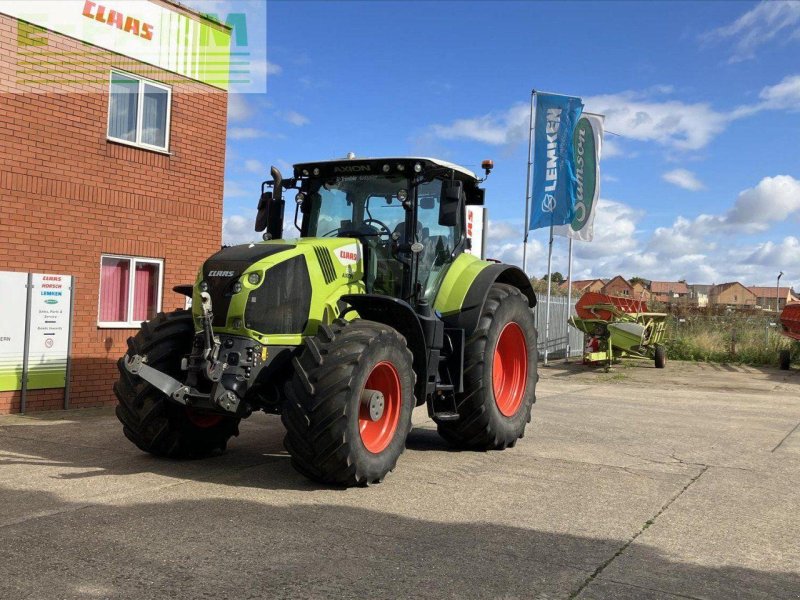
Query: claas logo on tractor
[[379, 269]]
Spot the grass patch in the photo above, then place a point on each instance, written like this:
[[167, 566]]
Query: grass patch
[[727, 339]]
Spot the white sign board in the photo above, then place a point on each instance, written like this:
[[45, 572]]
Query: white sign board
[[13, 298], [49, 331], [146, 31], [475, 218]]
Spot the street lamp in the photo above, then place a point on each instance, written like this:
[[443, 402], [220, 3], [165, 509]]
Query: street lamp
[[778, 293]]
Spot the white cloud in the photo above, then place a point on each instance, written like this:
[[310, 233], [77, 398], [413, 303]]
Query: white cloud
[[251, 133], [767, 21], [240, 229], [235, 190], [238, 108], [295, 118], [783, 95], [683, 179], [264, 68], [779, 256], [493, 128], [254, 166], [686, 126], [614, 229], [237, 229], [772, 199]]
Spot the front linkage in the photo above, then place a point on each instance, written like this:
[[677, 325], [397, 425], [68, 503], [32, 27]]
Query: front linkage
[[205, 370]]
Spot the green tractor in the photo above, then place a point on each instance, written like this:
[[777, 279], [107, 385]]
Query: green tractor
[[375, 309]]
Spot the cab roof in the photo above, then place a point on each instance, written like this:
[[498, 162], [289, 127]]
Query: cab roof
[[378, 162]]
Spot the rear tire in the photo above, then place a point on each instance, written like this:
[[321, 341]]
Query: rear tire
[[150, 420], [661, 357], [785, 360], [329, 432], [500, 375]]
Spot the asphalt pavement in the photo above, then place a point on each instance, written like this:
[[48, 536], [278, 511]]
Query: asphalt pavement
[[634, 484]]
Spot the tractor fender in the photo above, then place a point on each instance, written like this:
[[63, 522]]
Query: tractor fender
[[400, 316], [469, 315]]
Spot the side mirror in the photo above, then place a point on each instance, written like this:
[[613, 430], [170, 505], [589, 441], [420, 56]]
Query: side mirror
[[262, 216], [270, 207], [450, 206]]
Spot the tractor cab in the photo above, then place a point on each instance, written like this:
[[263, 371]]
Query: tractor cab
[[407, 213]]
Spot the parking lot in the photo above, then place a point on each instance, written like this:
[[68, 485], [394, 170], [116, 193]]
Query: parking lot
[[637, 483]]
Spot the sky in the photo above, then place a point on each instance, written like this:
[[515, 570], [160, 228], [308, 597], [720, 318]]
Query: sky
[[700, 178]]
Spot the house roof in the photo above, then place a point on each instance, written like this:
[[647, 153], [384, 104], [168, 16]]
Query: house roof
[[769, 292], [579, 284], [667, 287], [620, 278], [718, 289]]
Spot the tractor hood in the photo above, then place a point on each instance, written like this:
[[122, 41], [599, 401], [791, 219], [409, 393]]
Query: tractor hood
[[279, 288]]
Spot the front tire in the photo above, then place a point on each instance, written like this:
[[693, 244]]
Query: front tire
[[660, 359], [330, 433], [149, 419], [500, 374]]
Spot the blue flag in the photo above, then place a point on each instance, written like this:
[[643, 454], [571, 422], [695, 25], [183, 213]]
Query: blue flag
[[554, 181]]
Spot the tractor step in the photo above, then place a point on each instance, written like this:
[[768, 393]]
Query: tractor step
[[446, 416]]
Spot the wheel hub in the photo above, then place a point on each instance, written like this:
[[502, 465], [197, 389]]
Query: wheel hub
[[373, 402]]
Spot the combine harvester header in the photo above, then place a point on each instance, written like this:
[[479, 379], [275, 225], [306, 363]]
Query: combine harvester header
[[617, 327]]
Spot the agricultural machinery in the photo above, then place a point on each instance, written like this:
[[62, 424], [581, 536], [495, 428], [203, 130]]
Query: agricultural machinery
[[616, 327], [376, 308], [790, 323]]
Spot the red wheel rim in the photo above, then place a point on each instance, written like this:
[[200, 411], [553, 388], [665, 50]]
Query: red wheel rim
[[203, 421], [510, 369], [377, 435]]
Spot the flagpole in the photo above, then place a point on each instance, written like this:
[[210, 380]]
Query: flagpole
[[528, 189], [549, 286], [569, 293]]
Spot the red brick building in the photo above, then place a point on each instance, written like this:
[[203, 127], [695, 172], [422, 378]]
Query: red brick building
[[113, 176]]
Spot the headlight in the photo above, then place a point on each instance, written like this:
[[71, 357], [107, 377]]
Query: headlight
[[417, 168], [237, 287], [254, 278], [402, 195], [203, 286]]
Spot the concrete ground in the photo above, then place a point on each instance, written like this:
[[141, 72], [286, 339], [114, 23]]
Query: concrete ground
[[644, 484]]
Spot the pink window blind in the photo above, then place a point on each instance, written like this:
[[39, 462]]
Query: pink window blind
[[114, 277], [145, 291]]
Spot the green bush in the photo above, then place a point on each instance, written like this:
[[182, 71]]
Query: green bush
[[726, 339]]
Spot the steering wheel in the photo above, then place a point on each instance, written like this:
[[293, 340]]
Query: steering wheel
[[386, 231]]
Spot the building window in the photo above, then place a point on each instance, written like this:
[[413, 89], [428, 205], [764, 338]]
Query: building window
[[130, 290], [139, 111]]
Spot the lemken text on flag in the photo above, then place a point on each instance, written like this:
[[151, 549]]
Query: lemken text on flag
[[554, 181]]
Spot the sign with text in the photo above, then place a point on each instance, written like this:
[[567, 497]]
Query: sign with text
[[48, 333], [554, 181], [12, 329], [587, 144], [145, 31], [475, 232]]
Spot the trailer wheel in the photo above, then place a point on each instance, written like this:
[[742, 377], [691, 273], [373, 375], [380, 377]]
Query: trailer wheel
[[785, 360], [500, 362], [348, 407], [150, 420], [661, 357]]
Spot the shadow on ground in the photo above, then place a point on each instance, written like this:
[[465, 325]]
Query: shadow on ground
[[222, 547]]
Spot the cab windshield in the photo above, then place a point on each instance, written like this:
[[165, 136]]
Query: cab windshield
[[359, 204]]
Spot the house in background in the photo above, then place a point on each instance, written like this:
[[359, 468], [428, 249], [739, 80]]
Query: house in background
[[698, 294], [640, 291], [732, 294], [618, 286], [582, 286], [670, 291], [765, 296]]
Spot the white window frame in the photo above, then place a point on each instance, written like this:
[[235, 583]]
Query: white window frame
[[134, 260], [139, 111]]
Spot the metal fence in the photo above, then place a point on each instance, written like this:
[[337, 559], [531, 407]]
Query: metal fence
[[562, 335]]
